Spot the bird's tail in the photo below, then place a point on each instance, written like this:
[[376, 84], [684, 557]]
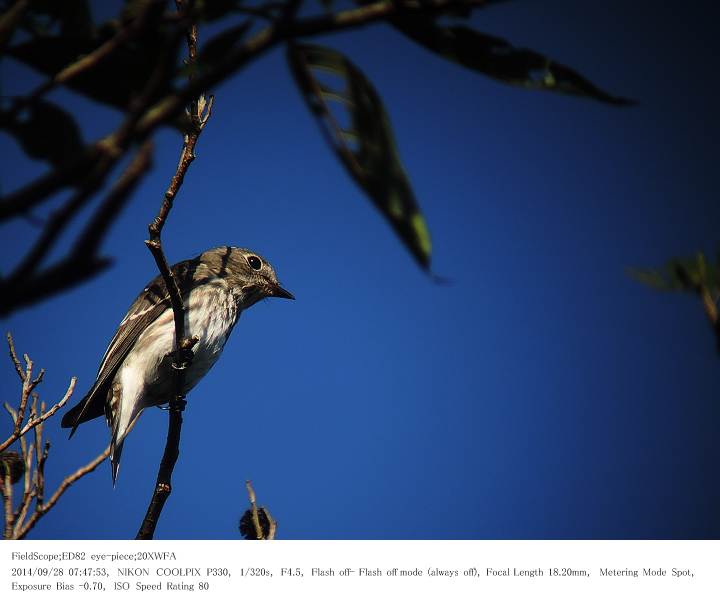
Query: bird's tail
[[90, 407], [122, 424], [115, 453]]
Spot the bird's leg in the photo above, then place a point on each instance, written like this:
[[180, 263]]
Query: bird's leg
[[178, 404]]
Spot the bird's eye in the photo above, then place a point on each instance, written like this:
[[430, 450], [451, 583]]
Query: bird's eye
[[254, 262]]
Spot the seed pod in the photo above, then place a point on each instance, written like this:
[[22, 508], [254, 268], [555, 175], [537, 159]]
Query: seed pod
[[12, 463], [247, 526]]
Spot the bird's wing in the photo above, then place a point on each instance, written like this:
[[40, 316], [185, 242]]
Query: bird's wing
[[147, 307]]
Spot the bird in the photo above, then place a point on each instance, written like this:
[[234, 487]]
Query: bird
[[136, 370]]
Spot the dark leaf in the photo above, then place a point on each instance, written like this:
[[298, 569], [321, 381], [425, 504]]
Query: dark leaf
[[211, 10], [10, 17], [13, 465], [71, 17], [498, 59], [44, 131], [223, 43], [115, 80], [367, 148]]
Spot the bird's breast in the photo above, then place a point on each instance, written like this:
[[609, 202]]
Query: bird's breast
[[212, 312]]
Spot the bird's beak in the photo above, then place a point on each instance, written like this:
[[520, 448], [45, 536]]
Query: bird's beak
[[281, 292]]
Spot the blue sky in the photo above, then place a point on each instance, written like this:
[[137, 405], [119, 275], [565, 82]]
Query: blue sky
[[540, 394]]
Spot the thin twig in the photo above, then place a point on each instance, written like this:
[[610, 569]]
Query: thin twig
[[33, 455], [28, 385], [19, 432], [41, 510], [13, 356], [199, 113], [255, 513], [254, 509]]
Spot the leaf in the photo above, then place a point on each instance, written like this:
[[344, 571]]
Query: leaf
[[367, 148], [10, 18], [681, 274], [115, 80], [498, 59], [73, 16], [45, 131]]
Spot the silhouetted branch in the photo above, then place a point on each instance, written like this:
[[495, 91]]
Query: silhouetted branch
[[273, 35], [127, 32], [88, 170], [27, 285]]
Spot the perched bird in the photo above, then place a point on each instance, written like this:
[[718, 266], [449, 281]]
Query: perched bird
[[136, 371]]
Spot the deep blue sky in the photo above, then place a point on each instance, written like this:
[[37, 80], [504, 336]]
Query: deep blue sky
[[542, 394]]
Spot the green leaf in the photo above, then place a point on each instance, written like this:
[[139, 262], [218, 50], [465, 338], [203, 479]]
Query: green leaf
[[498, 59], [367, 148], [45, 132], [681, 274]]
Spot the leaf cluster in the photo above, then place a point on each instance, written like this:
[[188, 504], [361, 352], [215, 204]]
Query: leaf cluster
[[133, 64], [692, 274]]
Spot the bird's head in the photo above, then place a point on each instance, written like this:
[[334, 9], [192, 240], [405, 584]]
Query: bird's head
[[247, 272]]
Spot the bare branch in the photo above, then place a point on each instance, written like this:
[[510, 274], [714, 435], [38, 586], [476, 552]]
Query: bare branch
[[41, 510], [90, 239], [33, 455], [199, 113], [28, 385], [13, 356], [53, 410]]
